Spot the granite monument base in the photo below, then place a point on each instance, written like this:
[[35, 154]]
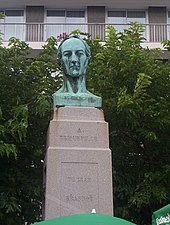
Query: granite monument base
[[77, 168]]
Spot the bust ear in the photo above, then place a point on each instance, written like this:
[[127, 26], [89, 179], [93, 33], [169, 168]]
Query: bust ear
[[62, 65], [86, 62]]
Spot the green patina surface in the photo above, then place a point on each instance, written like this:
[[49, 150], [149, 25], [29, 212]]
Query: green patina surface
[[74, 56], [86, 219], [67, 99]]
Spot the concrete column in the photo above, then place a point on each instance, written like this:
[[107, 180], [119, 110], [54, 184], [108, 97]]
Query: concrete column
[[34, 20], [157, 14], [96, 14], [157, 20]]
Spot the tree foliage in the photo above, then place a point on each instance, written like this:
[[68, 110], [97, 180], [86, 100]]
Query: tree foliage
[[135, 87], [25, 108]]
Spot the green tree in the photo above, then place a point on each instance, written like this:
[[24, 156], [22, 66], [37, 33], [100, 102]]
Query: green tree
[[135, 88], [25, 108]]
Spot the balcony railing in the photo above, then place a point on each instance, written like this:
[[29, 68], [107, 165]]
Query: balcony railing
[[37, 32]]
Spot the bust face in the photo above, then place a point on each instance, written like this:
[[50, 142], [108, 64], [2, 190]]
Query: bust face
[[74, 57]]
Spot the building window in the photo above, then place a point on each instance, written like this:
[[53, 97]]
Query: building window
[[64, 21], [14, 13], [120, 19], [55, 13], [168, 28], [75, 14], [12, 24], [138, 16]]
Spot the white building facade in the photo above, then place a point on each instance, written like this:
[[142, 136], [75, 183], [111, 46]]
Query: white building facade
[[35, 21]]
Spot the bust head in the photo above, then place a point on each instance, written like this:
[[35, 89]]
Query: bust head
[[74, 55]]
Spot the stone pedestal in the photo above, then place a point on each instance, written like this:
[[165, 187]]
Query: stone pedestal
[[78, 170]]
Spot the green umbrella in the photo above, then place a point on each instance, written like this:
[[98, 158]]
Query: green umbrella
[[86, 219], [161, 216]]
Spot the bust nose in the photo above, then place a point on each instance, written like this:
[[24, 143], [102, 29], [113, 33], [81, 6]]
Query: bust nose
[[74, 58]]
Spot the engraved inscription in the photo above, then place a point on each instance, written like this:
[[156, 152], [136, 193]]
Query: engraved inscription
[[79, 179], [79, 198], [79, 186], [78, 138]]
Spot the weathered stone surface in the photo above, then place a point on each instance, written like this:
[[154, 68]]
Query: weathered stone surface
[[78, 167]]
